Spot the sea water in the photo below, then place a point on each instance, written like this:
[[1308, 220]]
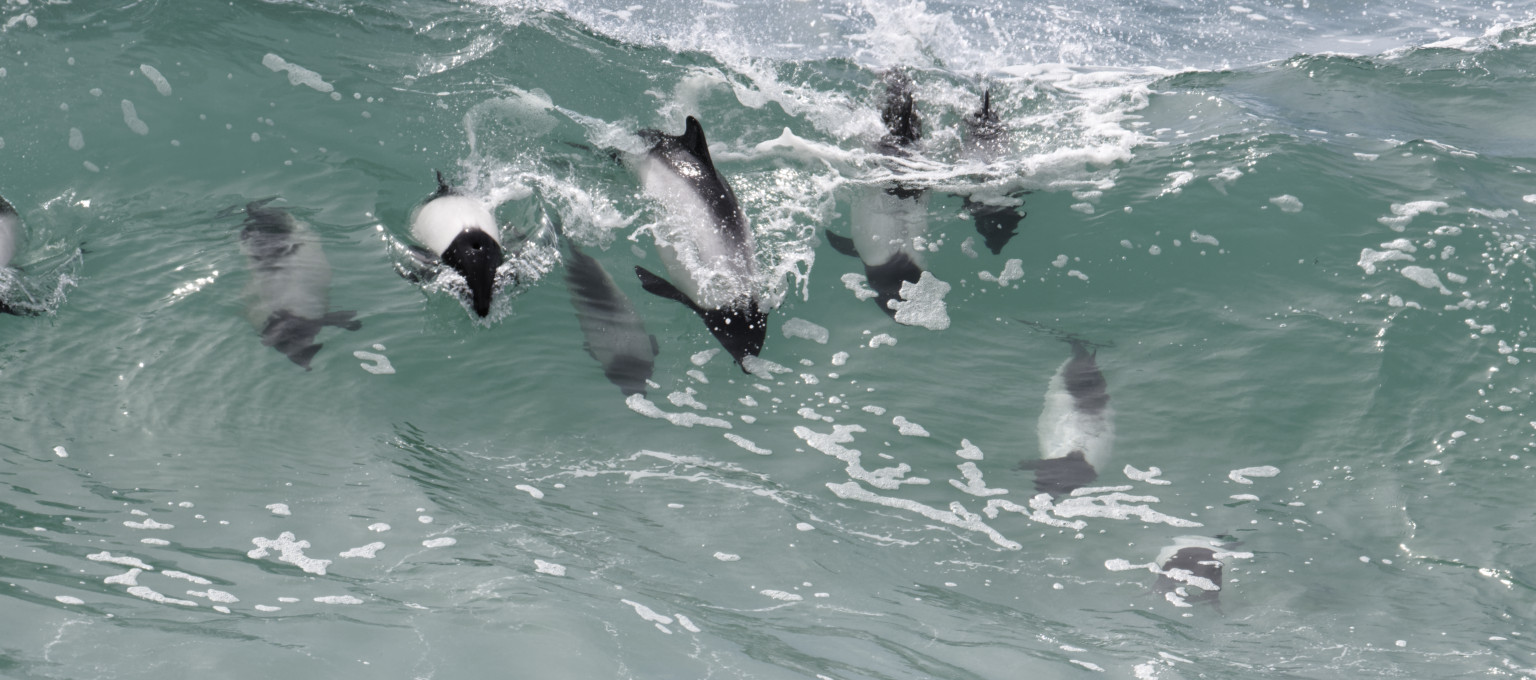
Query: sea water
[[1296, 232]]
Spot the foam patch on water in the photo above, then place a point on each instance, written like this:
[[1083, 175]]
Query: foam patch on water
[[214, 595], [68, 599], [881, 340], [762, 368], [922, 303], [1241, 476], [908, 428], [149, 523], [162, 85], [549, 568], [1149, 476], [859, 284], [1287, 203], [832, 445], [128, 578], [187, 577], [973, 484], [280, 509], [1370, 258], [380, 364], [289, 550], [968, 450], [338, 599], [747, 444], [1013, 270], [1424, 277], [149, 594], [781, 595], [125, 561], [297, 75], [131, 117], [645, 407], [530, 490], [1403, 213], [366, 552], [701, 358], [442, 542], [800, 328], [957, 516]]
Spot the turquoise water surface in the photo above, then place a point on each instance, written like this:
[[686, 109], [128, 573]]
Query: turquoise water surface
[[1297, 234]]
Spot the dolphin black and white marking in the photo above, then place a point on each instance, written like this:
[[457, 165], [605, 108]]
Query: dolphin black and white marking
[[289, 293], [986, 139], [1077, 428], [704, 240], [1190, 570], [888, 220], [10, 241], [458, 231], [615, 334]]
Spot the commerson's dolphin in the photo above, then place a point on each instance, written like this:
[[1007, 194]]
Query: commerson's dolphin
[[615, 334], [1077, 428], [888, 220], [289, 293], [1190, 570], [704, 241], [986, 139], [10, 241], [458, 231]]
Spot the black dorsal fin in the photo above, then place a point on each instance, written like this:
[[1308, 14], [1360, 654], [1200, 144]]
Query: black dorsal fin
[[442, 186], [986, 106], [6, 208], [692, 139]]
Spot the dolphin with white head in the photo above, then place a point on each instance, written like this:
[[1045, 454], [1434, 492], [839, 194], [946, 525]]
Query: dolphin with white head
[[458, 231], [10, 241], [1077, 425], [288, 298], [889, 219], [704, 240]]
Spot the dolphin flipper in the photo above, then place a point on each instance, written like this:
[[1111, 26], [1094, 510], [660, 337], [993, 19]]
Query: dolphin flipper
[[660, 287], [842, 244]]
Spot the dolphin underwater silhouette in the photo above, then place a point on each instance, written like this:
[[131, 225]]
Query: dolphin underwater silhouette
[[1076, 428], [888, 219], [289, 293], [704, 240]]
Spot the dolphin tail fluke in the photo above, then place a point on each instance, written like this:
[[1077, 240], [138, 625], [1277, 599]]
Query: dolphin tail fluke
[[342, 319], [1060, 476], [842, 244], [305, 355], [660, 287]]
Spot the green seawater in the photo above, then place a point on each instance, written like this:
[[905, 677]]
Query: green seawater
[[1296, 259]]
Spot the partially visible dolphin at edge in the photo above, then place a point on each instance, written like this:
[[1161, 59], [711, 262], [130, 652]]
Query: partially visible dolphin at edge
[[10, 241], [615, 334], [715, 272], [458, 231], [289, 292], [1077, 427], [987, 138], [887, 220]]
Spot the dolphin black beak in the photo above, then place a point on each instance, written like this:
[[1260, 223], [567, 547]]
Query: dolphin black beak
[[476, 256], [741, 329]]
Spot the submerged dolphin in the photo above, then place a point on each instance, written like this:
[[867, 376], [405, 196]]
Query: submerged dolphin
[[987, 139], [1190, 570], [888, 220], [289, 292], [1077, 428], [704, 241], [458, 231], [615, 335]]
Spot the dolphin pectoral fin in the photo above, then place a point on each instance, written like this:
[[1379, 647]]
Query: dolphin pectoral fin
[[342, 319], [660, 287], [421, 266], [842, 244]]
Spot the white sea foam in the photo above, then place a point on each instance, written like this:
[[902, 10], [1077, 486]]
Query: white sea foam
[[108, 557], [280, 509], [832, 445], [1241, 476], [1013, 270], [781, 595], [530, 490], [858, 283], [1370, 258], [973, 483], [1425, 277], [1287, 203], [968, 450], [68, 599], [442, 542], [800, 328], [149, 523], [701, 358], [171, 573], [1403, 213], [957, 516], [645, 407], [215, 595], [149, 594], [366, 552], [1149, 476], [127, 578], [131, 117], [297, 75], [289, 550], [747, 444], [762, 368], [153, 74], [338, 599], [881, 340], [76, 139], [908, 427], [380, 364]]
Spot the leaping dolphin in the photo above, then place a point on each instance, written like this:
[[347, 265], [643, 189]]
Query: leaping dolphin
[[704, 240]]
